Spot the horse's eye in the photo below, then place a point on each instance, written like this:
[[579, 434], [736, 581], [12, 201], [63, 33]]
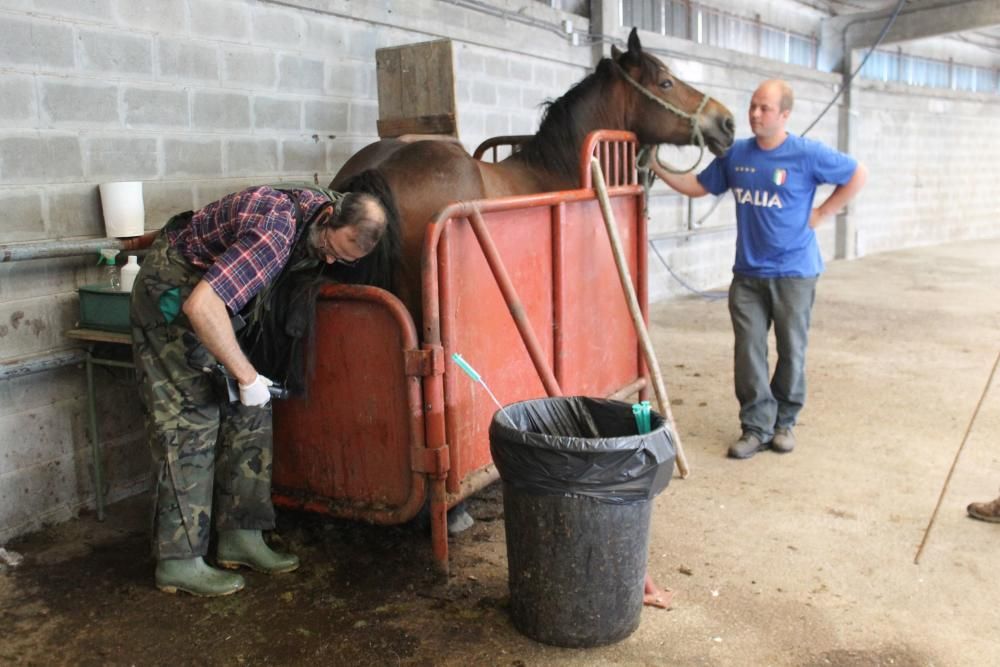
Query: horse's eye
[[666, 84]]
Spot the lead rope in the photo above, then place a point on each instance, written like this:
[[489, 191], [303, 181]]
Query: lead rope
[[697, 138]]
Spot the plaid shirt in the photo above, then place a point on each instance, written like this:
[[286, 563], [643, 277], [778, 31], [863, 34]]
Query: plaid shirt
[[243, 240]]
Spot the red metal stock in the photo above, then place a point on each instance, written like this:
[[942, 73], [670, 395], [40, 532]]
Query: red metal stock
[[524, 288]]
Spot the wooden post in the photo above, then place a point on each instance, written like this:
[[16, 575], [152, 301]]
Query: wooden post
[[633, 306]]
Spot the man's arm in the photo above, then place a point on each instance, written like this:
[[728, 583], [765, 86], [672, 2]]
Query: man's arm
[[210, 320], [686, 184], [839, 197]]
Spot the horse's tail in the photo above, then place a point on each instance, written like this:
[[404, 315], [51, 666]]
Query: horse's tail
[[380, 267]]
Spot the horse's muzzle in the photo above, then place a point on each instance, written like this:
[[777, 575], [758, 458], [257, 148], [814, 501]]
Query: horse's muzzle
[[720, 133]]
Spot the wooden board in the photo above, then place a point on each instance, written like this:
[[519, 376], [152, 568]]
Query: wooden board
[[416, 89]]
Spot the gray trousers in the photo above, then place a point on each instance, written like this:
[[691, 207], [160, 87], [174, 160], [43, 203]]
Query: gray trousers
[[754, 304]]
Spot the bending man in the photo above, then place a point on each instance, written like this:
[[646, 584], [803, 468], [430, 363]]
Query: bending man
[[213, 457]]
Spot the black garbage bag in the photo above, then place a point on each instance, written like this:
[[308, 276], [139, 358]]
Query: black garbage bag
[[582, 446], [578, 483]]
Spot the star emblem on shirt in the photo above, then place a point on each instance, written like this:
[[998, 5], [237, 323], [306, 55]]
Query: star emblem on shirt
[[746, 170]]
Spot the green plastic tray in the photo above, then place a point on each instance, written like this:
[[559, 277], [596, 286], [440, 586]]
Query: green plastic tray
[[103, 308]]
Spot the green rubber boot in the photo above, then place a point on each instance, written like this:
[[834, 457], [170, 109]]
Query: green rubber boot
[[195, 576], [247, 548]]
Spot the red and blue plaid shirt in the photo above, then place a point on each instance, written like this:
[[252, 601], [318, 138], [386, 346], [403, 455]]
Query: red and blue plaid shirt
[[243, 240]]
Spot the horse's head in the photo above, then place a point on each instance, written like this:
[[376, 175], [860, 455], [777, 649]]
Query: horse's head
[[664, 109]]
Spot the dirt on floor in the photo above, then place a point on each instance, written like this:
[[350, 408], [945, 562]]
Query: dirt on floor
[[799, 559], [365, 596]]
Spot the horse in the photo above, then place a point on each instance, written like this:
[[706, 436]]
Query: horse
[[631, 90]]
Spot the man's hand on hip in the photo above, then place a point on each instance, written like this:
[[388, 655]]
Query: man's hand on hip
[[816, 219]]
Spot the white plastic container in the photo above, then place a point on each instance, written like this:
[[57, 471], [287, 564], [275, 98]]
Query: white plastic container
[[129, 272], [124, 214]]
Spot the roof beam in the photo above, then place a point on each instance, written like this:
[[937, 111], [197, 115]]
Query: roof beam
[[918, 19]]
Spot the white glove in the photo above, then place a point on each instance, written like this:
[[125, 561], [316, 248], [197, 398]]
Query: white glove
[[255, 394]]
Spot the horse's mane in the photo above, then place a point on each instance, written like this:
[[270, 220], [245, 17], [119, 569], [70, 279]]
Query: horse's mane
[[568, 120]]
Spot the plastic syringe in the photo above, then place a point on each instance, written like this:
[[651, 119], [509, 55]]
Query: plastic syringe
[[471, 372]]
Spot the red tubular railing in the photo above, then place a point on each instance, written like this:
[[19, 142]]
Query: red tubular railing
[[494, 144], [513, 303], [558, 288], [615, 150]]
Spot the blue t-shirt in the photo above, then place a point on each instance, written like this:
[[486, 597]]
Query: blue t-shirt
[[774, 193]]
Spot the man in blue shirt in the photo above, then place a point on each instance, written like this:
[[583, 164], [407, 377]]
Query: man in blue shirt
[[773, 177]]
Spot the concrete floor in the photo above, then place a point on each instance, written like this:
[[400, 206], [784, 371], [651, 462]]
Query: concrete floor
[[801, 559], [811, 554]]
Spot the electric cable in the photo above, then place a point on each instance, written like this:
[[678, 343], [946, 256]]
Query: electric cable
[[517, 17], [847, 84], [714, 295]]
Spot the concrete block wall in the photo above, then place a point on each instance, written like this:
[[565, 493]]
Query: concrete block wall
[[502, 93], [933, 171]]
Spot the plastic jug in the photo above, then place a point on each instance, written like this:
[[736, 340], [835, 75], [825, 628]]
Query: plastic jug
[[129, 272]]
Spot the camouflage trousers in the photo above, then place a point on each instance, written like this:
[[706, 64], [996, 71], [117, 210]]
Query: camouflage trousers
[[212, 458]]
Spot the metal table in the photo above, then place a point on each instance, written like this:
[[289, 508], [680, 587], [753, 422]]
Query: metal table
[[91, 339]]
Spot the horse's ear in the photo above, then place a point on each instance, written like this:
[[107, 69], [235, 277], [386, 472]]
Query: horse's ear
[[616, 53], [634, 47]]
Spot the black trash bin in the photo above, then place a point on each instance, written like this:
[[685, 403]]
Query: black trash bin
[[578, 484]]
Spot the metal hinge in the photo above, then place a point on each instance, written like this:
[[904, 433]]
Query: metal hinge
[[432, 461], [424, 363]]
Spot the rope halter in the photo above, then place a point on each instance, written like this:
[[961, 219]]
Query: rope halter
[[697, 139]]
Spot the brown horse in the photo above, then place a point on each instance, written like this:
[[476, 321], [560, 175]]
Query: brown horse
[[631, 91]]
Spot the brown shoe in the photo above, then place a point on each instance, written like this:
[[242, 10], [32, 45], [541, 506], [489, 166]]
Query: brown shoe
[[985, 511]]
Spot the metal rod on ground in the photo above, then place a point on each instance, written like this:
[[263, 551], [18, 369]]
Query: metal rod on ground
[[947, 480], [633, 306]]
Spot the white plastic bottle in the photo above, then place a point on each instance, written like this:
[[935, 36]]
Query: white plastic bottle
[[129, 272]]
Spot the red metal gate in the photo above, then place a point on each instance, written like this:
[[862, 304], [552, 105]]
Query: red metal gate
[[526, 289]]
